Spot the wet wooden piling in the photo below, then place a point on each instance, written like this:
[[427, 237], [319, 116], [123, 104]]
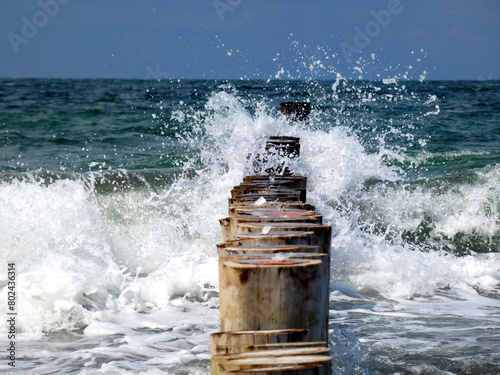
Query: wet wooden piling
[[269, 293], [274, 270], [296, 112], [267, 352]]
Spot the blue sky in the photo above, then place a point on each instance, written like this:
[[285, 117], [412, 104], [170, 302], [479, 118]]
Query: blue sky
[[227, 39]]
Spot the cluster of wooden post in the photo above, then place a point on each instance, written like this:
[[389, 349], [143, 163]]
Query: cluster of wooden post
[[274, 271]]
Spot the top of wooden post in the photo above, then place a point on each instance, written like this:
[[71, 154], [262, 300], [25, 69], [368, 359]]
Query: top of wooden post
[[296, 111]]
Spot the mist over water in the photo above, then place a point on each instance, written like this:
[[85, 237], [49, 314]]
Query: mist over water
[[111, 191]]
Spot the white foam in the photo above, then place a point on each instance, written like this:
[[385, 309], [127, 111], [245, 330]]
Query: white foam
[[72, 257]]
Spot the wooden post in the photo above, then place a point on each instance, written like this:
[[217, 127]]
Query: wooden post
[[283, 146], [276, 295], [263, 192], [287, 184], [264, 210], [236, 224], [295, 237], [299, 182], [322, 233], [275, 196], [271, 239], [296, 111], [228, 249], [232, 341], [274, 216], [242, 207], [263, 349], [278, 152], [227, 230], [297, 361], [274, 271]]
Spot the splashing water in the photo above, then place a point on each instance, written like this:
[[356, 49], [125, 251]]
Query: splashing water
[[117, 268]]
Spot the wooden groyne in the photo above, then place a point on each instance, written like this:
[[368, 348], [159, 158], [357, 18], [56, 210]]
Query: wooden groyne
[[274, 271]]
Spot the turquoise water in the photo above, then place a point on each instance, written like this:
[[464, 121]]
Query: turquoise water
[[111, 191], [61, 124]]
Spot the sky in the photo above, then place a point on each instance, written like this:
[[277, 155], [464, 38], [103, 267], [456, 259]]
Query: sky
[[250, 39]]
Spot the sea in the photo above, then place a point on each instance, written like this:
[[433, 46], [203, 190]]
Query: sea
[[111, 193]]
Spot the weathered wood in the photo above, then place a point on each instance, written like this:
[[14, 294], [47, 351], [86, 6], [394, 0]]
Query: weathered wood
[[296, 237], [227, 234], [271, 213], [267, 352], [261, 362], [275, 352], [322, 236], [272, 346], [232, 257], [227, 250], [229, 255], [292, 196], [265, 249], [257, 296], [276, 160], [274, 270], [312, 369], [242, 207], [257, 193], [281, 257], [292, 238], [230, 230], [238, 191], [296, 111], [278, 153], [299, 181], [221, 341], [283, 146], [274, 216], [285, 138], [276, 184]]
